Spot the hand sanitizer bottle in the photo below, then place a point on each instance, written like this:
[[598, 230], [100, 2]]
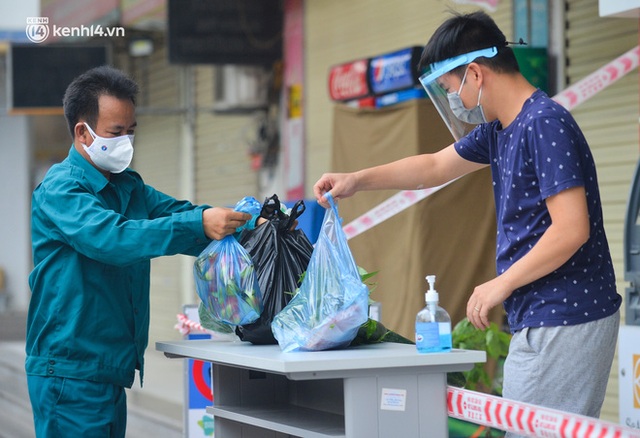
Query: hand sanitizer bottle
[[433, 324]]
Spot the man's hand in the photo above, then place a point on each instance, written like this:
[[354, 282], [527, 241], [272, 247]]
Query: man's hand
[[340, 185], [484, 298], [219, 222]]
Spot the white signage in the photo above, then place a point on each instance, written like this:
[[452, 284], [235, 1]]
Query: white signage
[[629, 375]]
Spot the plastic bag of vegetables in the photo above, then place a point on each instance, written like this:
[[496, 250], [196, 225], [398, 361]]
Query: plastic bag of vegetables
[[226, 279], [332, 302]]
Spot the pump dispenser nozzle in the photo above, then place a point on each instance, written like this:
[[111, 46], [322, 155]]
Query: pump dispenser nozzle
[[432, 295]]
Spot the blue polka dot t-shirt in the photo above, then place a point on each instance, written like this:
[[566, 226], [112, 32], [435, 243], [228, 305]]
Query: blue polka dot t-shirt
[[541, 153]]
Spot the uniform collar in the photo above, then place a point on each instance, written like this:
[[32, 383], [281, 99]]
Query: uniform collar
[[90, 173]]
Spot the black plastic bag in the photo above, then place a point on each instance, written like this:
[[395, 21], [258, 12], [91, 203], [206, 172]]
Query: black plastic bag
[[280, 256]]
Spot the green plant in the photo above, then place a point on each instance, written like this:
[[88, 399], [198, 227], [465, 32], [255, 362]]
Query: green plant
[[492, 340], [364, 276]]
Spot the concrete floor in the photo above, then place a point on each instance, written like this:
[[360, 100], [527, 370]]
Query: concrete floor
[[153, 411]]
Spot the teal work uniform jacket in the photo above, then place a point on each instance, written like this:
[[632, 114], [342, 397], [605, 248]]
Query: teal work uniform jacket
[[93, 240]]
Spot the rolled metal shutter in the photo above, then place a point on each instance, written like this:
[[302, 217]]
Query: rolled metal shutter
[[609, 121]]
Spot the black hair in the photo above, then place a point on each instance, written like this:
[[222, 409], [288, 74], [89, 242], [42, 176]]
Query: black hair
[[464, 33], [81, 97]]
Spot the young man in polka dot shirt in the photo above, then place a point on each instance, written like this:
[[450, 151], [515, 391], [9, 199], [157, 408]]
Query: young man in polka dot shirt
[[554, 277]]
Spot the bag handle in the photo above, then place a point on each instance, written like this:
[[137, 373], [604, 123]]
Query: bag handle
[[270, 208], [296, 211], [334, 206]]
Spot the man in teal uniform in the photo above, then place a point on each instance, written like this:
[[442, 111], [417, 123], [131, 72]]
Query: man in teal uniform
[[95, 227]]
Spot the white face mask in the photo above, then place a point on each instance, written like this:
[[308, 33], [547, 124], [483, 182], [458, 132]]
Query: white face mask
[[473, 116], [111, 154]]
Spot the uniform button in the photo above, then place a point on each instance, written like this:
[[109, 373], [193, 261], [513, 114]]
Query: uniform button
[[52, 362], [50, 371], [135, 311]]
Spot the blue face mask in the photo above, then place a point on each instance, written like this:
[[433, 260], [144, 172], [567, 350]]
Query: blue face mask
[[473, 116]]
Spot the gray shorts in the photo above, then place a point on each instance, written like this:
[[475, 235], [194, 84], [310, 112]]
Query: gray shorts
[[565, 368]]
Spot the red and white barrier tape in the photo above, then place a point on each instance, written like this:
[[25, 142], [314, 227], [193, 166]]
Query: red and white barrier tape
[[569, 98], [529, 420], [591, 85], [388, 208]]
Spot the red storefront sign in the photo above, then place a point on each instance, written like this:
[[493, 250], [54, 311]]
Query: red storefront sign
[[349, 81]]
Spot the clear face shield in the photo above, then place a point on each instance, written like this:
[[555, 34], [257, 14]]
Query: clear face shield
[[438, 95]]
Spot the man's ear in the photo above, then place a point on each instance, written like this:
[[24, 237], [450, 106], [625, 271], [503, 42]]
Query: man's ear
[[81, 133], [475, 73]]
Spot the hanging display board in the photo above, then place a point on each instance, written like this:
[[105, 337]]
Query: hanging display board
[[247, 32], [38, 75]]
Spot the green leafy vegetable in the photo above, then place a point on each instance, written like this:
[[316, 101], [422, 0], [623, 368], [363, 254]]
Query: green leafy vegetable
[[373, 332], [210, 323]]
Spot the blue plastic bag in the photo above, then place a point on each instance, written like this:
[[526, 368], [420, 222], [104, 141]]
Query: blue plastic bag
[[332, 302], [226, 279]]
